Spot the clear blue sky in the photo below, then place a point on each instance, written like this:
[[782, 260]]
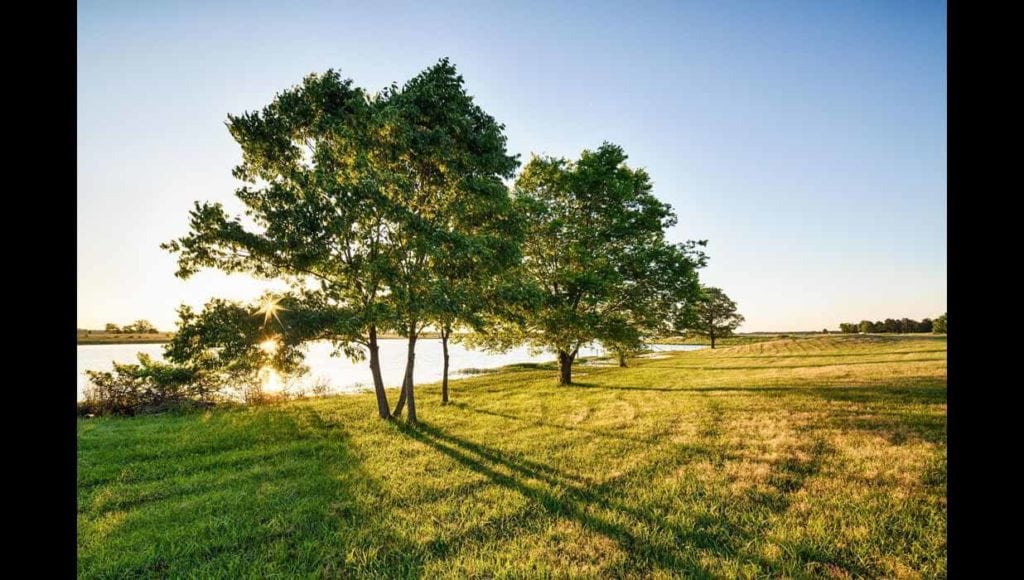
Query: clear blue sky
[[805, 140]]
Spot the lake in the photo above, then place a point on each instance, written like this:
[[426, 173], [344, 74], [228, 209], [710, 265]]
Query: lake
[[342, 375]]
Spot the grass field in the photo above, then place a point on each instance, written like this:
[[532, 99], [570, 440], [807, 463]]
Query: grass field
[[800, 457], [101, 337], [735, 340]]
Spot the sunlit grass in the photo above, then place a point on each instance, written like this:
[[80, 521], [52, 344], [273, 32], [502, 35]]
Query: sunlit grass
[[817, 456]]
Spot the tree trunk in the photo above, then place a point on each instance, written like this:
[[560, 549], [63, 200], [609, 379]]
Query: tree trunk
[[565, 367], [446, 331], [400, 405], [622, 359], [407, 396], [410, 395], [712, 340], [378, 380]]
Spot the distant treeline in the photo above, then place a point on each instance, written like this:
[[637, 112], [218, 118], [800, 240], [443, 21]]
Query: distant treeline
[[891, 325], [137, 327]]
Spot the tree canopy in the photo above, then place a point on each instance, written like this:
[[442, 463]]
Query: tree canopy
[[353, 198], [715, 315], [595, 258], [889, 325]]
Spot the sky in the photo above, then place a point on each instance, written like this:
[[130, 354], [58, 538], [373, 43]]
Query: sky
[[806, 141]]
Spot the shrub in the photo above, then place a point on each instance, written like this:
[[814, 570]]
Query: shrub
[[146, 387], [321, 387]]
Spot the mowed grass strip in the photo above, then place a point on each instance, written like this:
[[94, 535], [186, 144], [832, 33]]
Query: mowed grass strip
[[820, 456]]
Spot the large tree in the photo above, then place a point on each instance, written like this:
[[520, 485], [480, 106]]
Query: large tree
[[596, 255], [715, 315], [458, 226], [346, 196], [939, 324]]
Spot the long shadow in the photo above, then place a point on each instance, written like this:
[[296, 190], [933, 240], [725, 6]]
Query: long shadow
[[476, 457], [568, 496], [539, 423], [836, 355], [790, 477], [924, 391], [897, 427], [584, 385], [779, 367]]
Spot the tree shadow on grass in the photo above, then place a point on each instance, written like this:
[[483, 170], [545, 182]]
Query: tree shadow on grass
[[714, 367], [924, 391], [287, 501], [601, 508], [539, 423], [832, 355], [559, 495], [586, 385]]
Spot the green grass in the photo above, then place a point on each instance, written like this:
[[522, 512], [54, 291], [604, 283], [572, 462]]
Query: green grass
[[805, 457], [735, 340]]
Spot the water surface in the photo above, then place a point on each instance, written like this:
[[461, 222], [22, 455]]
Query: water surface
[[342, 375]]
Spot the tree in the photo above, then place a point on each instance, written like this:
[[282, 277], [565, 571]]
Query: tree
[[662, 299], [348, 193], [939, 325], [716, 315], [460, 228], [112, 328], [867, 326], [141, 327], [319, 198], [233, 344], [596, 265], [475, 294], [925, 325]]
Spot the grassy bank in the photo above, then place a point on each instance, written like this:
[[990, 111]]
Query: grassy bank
[[736, 340], [817, 456], [100, 337]]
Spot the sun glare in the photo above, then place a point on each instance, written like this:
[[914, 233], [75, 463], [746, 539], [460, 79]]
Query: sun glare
[[271, 380], [270, 346], [270, 307]]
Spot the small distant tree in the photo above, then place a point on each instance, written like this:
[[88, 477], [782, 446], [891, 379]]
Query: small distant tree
[[112, 328], [716, 315], [925, 325], [867, 326], [939, 325], [141, 327]]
